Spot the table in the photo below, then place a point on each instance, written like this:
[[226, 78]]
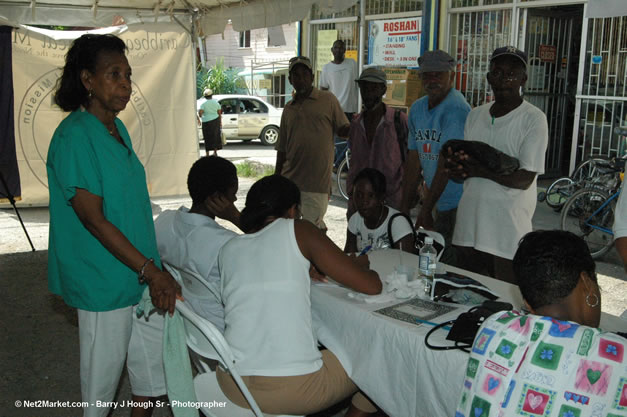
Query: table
[[387, 358]]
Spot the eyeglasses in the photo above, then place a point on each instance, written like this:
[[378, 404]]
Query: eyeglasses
[[499, 73]]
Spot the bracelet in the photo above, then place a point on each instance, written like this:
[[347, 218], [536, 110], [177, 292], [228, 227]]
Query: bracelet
[[140, 275]]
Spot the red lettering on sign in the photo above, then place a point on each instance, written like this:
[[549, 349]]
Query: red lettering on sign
[[407, 25], [547, 53]]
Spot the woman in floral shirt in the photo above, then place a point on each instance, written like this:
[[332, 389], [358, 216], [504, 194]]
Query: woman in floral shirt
[[555, 361]]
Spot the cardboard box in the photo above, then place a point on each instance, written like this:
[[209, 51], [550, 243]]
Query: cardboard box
[[404, 87]]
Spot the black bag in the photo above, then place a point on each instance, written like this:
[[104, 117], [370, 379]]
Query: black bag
[[467, 324], [496, 161]]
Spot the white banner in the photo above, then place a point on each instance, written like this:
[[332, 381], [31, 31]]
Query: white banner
[[161, 116], [394, 43]]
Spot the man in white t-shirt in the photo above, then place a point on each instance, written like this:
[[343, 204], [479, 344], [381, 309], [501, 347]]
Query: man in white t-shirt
[[338, 76], [620, 226], [495, 210]]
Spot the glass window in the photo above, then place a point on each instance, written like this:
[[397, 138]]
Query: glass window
[[229, 106], [253, 106], [244, 39]]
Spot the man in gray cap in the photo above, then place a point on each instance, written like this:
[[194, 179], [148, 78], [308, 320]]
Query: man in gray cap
[[305, 147], [433, 120], [374, 138], [495, 210]]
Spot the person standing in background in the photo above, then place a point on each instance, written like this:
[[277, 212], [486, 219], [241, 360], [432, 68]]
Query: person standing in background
[[339, 76], [377, 139], [211, 117], [305, 145], [433, 120], [620, 226], [495, 210]]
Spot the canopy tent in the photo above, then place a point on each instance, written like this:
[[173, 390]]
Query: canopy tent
[[208, 16], [162, 118]]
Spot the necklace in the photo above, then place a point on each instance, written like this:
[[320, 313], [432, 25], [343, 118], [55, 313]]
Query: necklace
[[380, 217]]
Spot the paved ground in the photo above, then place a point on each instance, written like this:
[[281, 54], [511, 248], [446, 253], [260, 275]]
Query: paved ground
[[39, 354]]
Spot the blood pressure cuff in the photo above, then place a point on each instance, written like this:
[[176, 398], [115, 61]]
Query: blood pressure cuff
[[496, 161]]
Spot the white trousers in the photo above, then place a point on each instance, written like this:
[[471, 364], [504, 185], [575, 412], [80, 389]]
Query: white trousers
[[108, 339]]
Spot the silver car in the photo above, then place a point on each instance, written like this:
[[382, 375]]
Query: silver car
[[247, 118]]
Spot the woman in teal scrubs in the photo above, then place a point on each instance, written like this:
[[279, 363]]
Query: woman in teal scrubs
[[102, 249]]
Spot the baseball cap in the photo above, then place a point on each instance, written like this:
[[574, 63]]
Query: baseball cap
[[373, 75], [207, 92], [509, 50], [300, 60], [436, 61]]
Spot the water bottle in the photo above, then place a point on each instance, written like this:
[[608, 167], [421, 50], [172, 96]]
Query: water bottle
[[427, 264]]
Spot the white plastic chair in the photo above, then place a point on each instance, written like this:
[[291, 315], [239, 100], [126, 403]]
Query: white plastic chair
[[204, 338], [437, 238], [192, 283]]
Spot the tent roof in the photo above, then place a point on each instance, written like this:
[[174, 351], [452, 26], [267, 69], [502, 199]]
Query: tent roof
[[211, 15]]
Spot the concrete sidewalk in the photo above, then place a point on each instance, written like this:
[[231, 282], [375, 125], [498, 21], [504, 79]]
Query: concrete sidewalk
[[38, 332]]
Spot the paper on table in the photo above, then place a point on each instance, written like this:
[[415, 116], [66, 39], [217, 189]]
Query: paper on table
[[416, 311]]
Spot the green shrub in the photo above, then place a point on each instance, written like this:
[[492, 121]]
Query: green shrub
[[252, 169]]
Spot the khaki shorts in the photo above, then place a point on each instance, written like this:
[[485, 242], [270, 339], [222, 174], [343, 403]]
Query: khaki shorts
[[313, 207], [299, 394]]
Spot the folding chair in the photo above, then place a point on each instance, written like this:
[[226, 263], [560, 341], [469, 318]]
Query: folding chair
[[192, 283], [438, 240], [419, 235], [204, 339]]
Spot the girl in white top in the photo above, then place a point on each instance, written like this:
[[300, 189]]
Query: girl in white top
[[267, 308], [368, 226]]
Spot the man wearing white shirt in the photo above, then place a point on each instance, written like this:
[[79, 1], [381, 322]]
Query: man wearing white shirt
[[495, 210], [338, 76], [620, 226]]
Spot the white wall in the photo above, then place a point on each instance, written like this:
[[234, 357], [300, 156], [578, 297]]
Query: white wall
[[236, 57]]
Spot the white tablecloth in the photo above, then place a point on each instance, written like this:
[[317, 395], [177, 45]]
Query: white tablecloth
[[387, 358]]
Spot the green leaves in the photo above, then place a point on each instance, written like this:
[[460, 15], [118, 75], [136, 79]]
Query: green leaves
[[220, 79]]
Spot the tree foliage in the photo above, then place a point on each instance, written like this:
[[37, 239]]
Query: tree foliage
[[220, 79]]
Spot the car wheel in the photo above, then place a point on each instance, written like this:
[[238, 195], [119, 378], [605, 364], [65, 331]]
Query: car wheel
[[269, 135]]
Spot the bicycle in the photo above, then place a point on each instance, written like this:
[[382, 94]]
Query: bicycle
[[589, 213], [592, 170]]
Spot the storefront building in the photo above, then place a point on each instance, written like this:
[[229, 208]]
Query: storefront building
[[577, 63]]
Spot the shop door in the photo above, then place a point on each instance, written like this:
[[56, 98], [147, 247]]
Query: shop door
[[473, 37], [602, 104], [552, 40]]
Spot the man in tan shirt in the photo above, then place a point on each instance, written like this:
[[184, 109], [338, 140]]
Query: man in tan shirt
[[305, 146]]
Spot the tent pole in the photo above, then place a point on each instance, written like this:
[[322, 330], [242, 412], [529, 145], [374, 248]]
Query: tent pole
[[12, 201]]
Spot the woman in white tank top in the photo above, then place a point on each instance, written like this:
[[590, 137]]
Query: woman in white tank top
[[265, 278]]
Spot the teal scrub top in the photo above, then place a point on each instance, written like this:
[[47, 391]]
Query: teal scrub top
[[83, 154], [210, 109]]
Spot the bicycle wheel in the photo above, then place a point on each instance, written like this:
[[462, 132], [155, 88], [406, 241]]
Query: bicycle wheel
[[586, 170], [342, 173], [583, 215], [558, 193]]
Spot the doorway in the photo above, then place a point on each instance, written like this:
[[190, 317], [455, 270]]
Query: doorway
[[551, 36]]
